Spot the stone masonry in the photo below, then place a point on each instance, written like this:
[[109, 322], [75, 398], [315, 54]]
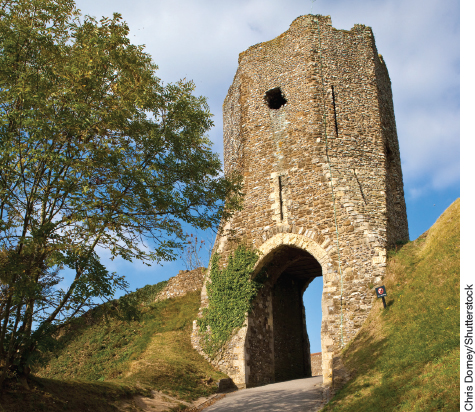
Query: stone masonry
[[309, 123], [186, 281], [316, 361]]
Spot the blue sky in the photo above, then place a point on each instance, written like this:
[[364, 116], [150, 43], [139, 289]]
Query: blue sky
[[419, 40]]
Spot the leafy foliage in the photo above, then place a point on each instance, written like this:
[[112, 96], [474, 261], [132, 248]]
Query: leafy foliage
[[230, 293], [96, 152]]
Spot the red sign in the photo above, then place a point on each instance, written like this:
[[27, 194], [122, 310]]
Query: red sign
[[380, 291]]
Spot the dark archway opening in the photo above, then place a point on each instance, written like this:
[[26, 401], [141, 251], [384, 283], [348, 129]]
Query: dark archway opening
[[291, 343], [278, 345]]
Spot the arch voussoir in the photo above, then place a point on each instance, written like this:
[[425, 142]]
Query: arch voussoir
[[297, 238]]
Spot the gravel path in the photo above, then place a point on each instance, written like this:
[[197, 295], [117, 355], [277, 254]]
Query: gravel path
[[300, 395]]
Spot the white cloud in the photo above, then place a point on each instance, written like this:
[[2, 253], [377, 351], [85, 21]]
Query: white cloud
[[431, 146]]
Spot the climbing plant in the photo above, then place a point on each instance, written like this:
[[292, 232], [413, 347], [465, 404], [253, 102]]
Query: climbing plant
[[230, 293]]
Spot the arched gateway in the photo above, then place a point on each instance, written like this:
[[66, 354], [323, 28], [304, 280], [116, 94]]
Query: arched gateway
[[309, 123]]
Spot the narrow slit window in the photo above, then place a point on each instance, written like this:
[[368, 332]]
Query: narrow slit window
[[281, 200], [275, 99], [334, 111]]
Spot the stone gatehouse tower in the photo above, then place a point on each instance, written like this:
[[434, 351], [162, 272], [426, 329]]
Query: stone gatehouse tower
[[309, 123]]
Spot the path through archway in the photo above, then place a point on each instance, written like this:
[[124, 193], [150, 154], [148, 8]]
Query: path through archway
[[277, 344]]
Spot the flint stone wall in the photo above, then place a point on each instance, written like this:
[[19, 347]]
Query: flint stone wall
[[322, 175], [186, 281], [316, 361]]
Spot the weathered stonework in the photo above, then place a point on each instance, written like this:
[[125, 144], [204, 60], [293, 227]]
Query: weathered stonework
[[186, 281], [309, 123], [316, 361]]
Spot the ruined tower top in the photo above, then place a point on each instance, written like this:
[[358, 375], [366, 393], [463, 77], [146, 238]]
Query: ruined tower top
[[300, 22]]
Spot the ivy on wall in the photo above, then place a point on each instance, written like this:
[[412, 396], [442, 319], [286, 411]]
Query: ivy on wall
[[230, 294]]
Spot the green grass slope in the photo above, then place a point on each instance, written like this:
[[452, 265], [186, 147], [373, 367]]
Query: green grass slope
[[105, 358], [406, 357]]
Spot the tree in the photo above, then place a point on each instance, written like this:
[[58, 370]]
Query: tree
[[193, 250], [95, 152]]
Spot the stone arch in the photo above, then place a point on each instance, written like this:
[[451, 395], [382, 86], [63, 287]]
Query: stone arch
[[303, 247], [299, 241]]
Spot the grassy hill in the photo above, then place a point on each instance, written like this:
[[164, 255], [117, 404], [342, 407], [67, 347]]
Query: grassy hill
[[406, 357], [105, 358]]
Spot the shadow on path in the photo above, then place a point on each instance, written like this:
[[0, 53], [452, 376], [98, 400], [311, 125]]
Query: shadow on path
[[297, 395]]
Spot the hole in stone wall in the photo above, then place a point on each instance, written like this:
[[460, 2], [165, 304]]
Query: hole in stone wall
[[275, 99]]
